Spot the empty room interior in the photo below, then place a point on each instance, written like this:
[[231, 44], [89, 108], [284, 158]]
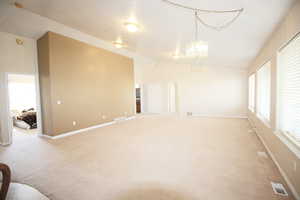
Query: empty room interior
[[145, 100]]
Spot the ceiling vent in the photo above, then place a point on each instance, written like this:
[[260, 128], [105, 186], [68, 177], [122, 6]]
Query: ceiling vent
[[279, 189]]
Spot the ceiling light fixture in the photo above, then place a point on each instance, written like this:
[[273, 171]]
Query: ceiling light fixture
[[175, 55], [198, 11], [118, 44], [132, 27]]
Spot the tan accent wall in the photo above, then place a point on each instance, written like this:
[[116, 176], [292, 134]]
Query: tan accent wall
[[93, 85], [289, 27]]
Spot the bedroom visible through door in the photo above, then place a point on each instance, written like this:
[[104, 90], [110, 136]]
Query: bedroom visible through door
[[22, 98]]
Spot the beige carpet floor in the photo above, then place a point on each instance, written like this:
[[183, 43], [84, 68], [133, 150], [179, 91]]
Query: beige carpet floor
[[148, 158]]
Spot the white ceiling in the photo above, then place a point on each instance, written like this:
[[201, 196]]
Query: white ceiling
[[166, 28]]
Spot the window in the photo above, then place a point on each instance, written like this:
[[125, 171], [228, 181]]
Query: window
[[289, 90], [264, 91], [251, 95]]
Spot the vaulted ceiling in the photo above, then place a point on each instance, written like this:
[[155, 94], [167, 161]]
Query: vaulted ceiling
[[165, 28]]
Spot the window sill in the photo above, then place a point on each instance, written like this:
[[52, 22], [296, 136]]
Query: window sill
[[290, 142], [264, 120], [251, 110]]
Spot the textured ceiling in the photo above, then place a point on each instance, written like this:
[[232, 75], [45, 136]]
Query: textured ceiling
[[166, 28]]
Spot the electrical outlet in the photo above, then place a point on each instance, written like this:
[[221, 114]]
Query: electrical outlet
[[74, 123], [295, 166]]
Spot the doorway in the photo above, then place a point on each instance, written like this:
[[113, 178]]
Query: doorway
[[22, 105], [138, 100]]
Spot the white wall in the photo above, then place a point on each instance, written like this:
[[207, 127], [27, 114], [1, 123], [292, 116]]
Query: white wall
[[14, 58], [201, 90]]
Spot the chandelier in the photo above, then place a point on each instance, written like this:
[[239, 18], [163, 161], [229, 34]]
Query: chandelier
[[198, 11], [198, 49]]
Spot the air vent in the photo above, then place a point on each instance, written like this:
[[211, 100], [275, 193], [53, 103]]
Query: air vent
[[279, 189]]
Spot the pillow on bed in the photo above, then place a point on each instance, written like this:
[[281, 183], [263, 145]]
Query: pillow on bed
[[21, 124]]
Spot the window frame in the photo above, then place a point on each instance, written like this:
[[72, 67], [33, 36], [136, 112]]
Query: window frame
[[252, 109], [261, 117], [286, 137]]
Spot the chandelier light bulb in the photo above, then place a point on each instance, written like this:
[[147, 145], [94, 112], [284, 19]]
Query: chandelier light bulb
[[118, 44], [132, 27]]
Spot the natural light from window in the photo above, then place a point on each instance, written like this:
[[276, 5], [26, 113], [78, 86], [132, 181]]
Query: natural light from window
[[264, 92], [289, 90]]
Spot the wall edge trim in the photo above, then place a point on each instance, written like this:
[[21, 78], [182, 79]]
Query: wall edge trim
[[77, 131], [220, 116], [84, 129]]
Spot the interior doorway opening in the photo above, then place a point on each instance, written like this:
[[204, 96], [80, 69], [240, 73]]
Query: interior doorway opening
[[22, 104], [138, 99]]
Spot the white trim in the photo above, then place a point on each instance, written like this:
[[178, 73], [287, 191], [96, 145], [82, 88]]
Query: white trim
[[130, 118], [287, 180], [4, 144], [38, 92], [85, 129], [7, 120], [288, 141], [78, 131], [220, 116]]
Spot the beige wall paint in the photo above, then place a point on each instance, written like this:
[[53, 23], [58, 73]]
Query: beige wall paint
[[202, 90], [14, 58], [284, 156], [88, 81]]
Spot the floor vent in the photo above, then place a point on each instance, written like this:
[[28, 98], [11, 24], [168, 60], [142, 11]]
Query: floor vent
[[262, 154], [279, 189]]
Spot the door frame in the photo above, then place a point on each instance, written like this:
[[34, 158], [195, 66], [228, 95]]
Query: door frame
[[9, 121]]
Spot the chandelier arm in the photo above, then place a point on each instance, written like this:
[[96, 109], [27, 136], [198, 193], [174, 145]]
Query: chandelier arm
[[202, 10], [218, 28]]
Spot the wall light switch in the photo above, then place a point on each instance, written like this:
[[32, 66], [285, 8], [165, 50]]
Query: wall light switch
[[74, 123]]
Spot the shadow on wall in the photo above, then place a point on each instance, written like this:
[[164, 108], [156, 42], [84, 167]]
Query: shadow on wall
[[152, 193]]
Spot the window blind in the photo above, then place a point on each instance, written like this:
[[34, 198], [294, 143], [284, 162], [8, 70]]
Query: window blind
[[264, 91], [251, 95], [289, 89]]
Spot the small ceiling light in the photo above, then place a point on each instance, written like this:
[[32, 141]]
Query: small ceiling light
[[176, 55], [132, 27], [19, 41], [197, 49], [118, 44]]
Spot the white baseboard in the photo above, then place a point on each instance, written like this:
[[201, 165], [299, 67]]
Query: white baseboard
[[84, 129], [220, 116], [283, 174], [130, 118], [77, 131], [4, 144]]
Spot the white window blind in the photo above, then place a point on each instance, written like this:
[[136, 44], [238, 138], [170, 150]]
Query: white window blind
[[264, 91], [289, 89], [251, 95]]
